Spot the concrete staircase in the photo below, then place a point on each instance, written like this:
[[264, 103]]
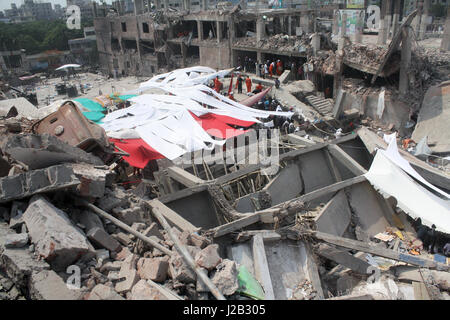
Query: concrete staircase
[[324, 107]]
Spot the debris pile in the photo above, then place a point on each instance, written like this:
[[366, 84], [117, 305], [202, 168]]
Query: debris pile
[[277, 42]]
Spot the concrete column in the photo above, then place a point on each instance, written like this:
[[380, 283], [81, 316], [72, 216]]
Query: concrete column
[[359, 27], [138, 6], [424, 19], [200, 30], [290, 26], [260, 29], [336, 22], [405, 61], [184, 54], [382, 35], [341, 41], [396, 18], [418, 19], [204, 4], [260, 57], [388, 18], [219, 31], [166, 5], [158, 4], [445, 44]]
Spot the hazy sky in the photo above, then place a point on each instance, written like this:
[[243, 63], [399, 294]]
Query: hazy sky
[[6, 4]]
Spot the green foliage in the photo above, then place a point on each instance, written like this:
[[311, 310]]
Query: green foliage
[[38, 36], [438, 10]]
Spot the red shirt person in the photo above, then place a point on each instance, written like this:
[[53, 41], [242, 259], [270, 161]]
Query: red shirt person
[[217, 84]]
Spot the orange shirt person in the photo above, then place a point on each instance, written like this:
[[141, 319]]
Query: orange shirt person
[[271, 69], [217, 84], [248, 83], [259, 87]]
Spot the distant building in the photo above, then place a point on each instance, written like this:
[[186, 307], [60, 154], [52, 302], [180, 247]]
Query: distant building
[[30, 11]]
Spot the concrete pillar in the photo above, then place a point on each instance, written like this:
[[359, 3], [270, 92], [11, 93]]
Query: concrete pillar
[[341, 41], [290, 26], [396, 18], [166, 5], [405, 61], [388, 18], [305, 22], [184, 54], [382, 35], [138, 6], [200, 30], [260, 29], [418, 19], [204, 4], [445, 44], [424, 19], [219, 31], [158, 4], [315, 43]]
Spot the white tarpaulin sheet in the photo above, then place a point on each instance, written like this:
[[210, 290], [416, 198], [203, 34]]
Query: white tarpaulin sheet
[[389, 179], [392, 154], [164, 121]]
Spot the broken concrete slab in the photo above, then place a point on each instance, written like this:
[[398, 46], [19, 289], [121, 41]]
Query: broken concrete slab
[[57, 240], [38, 181], [143, 291], [180, 271], [19, 264], [90, 220], [209, 257], [42, 151], [225, 277], [103, 292], [47, 285], [18, 240], [93, 180], [131, 278], [335, 217], [130, 215], [103, 239]]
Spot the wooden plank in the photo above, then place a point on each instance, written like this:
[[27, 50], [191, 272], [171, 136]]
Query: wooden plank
[[164, 291], [313, 272], [346, 160], [437, 177], [386, 253], [420, 291], [173, 217], [236, 225], [184, 177], [344, 258], [261, 266]]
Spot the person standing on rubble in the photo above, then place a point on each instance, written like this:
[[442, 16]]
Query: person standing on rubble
[[300, 73], [266, 71], [248, 83], [217, 84]]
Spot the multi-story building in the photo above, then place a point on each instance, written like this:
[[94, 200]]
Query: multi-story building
[[85, 8], [84, 50], [143, 42], [37, 10]]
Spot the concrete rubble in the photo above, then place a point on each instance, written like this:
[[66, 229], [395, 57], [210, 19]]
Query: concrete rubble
[[79, 222]]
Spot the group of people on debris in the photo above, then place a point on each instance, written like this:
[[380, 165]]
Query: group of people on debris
[[432, 240]]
